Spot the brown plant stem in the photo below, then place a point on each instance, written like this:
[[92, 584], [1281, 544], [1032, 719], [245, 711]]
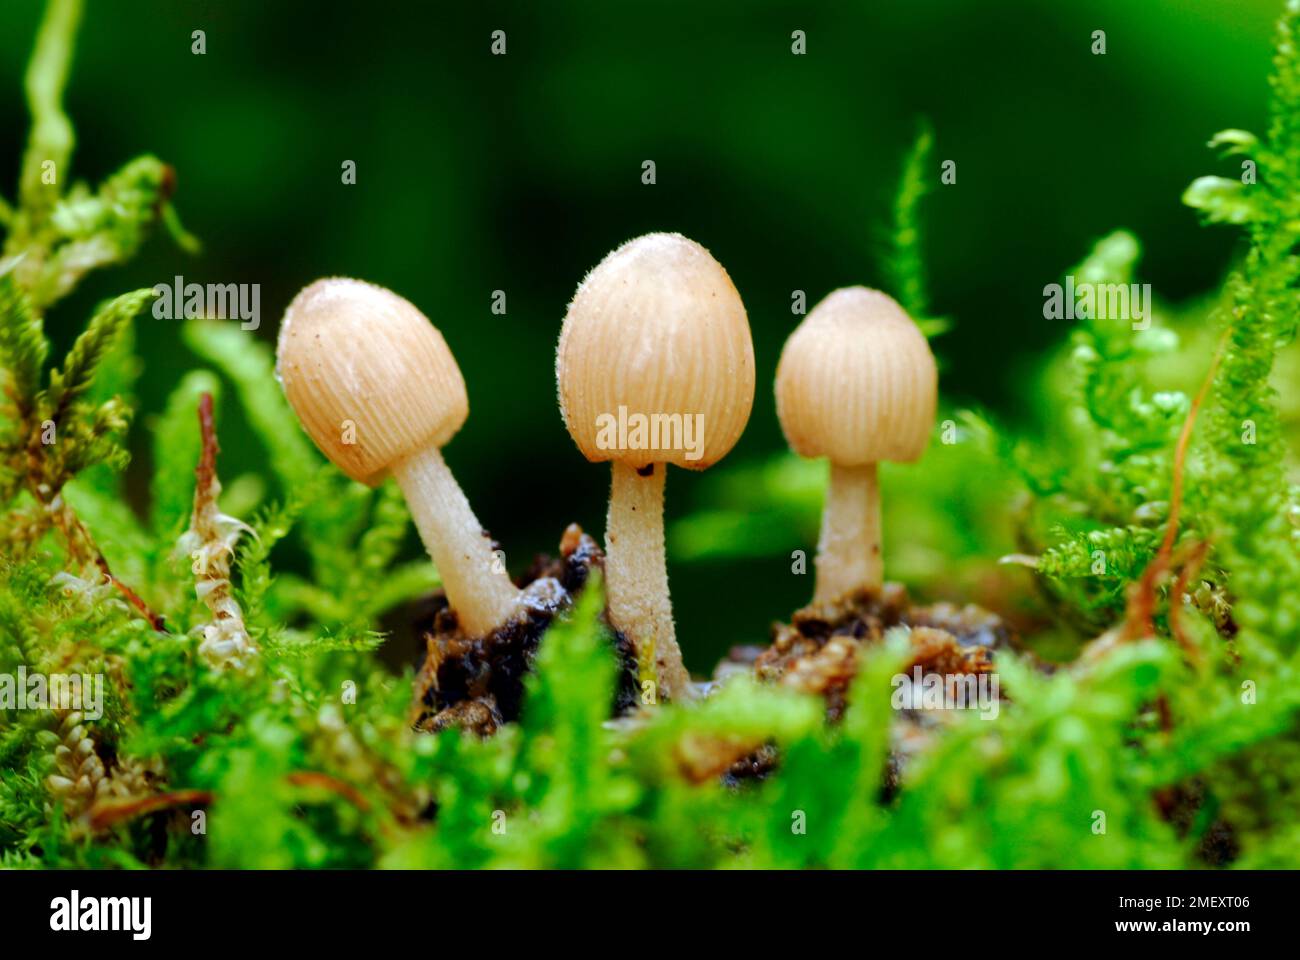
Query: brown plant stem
[[110, 813], [1140, 618], [81, 545]]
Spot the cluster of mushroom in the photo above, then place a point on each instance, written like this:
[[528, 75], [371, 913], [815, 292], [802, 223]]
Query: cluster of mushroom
[[658, 329]]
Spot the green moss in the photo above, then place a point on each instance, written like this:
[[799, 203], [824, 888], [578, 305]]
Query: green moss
[[304, 759]]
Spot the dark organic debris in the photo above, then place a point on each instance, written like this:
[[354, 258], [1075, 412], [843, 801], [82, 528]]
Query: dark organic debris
[[477, 683]]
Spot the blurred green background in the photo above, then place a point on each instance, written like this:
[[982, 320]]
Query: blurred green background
[[477, 173]]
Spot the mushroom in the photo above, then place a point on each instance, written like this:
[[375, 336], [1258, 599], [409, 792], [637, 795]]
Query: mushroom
[[655, 366], [857, 384], [377, 389]]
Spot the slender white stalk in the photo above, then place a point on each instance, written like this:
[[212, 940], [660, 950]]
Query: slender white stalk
[[478, 588], [636, 574], [848, 553]]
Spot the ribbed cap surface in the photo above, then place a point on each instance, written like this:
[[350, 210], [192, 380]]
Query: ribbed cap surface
[[657, 329], [857, 381], [359, 363]]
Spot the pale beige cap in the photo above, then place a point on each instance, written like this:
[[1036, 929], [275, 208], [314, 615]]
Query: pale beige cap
[[350, 351], [857, 382], [658, 329]]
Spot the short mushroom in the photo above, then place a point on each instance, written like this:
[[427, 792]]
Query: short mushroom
[[377, 389], [655, 365], [857, 384]]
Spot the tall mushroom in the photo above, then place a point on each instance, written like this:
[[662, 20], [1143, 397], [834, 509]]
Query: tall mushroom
[[655, 365], [856, 384], [376, 388]]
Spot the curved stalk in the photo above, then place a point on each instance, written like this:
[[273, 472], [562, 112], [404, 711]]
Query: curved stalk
[[478, 588]]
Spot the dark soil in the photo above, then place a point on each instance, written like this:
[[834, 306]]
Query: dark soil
[[477, 683]]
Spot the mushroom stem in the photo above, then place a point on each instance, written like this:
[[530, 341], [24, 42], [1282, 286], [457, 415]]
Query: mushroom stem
[[636, 574], [478, 588], [848, 552]]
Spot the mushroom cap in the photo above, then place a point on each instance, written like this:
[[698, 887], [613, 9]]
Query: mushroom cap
[[352, 352], [657, 329], [857, 382]]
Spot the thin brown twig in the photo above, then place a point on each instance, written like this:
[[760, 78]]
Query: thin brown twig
[[134, 599], [108, 814], [81, 543], [1188, 570], [313, 778], [207, 466], [1140, 619]]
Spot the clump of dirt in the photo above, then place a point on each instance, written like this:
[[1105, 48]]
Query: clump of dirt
[[818, 652], [477, 683]]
